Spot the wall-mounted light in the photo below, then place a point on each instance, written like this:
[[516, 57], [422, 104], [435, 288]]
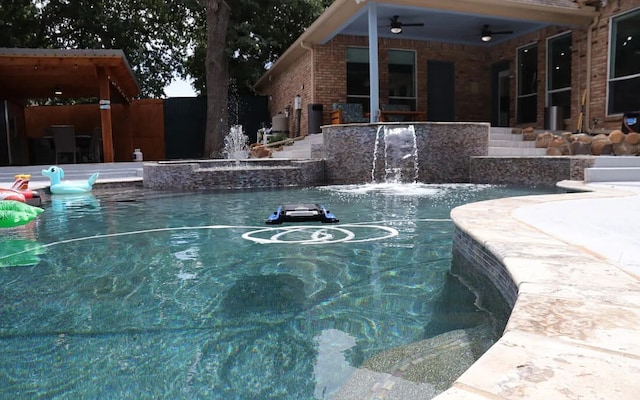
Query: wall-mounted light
[[297, 102], [287, 110], [57, 91]]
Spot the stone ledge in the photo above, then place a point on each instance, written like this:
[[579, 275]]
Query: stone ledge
[[573, 329]]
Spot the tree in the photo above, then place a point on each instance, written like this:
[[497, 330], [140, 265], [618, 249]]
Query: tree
[[217, 75], [243, 39], [151, 33]]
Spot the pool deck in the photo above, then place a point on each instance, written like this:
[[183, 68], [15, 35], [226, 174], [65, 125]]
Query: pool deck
[[575, 329]]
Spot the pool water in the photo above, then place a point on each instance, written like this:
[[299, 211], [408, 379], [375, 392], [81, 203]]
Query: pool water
[[137, 294]]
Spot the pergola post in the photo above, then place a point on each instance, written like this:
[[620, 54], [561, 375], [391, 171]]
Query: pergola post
[[105, 115]]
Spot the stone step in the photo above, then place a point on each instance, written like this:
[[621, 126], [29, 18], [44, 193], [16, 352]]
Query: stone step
[[612, 174], [617, 161], [515, 151], [505, 136], [511, 143]]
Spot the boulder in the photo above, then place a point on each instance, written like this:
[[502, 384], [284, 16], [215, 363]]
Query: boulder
[[568, 136], [259, 151], [583, 137], [632, 138], [529, 134], [601, 147], [554, 151], [561, 144], [622, 149], [543, 140], [616, 136], [580, 148]]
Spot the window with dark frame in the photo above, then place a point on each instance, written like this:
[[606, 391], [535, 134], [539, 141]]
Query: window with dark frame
[[358, 76], [559, 73], [624, 64], [402, 77], [527, 91]]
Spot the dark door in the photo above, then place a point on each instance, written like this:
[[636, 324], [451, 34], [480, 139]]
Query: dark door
[[500, 94], [440, 91]]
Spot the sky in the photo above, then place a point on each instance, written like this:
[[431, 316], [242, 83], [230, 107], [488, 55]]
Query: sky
[[179, 88]]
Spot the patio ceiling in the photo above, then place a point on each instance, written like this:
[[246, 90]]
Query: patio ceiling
[[447, 21], [460, 21], [35, 73]]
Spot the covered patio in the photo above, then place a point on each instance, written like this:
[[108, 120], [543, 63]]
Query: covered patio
[[33, 74]]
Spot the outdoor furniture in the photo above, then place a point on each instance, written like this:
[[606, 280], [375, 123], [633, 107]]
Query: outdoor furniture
[[348, 113], [92, 150], [399, 113], [64, 140]]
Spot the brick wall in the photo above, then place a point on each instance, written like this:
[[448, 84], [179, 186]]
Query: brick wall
[[325, 82]]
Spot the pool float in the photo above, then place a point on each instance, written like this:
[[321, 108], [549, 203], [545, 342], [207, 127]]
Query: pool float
[[301, 213], [15, 213], [55, 174], [20, 191]]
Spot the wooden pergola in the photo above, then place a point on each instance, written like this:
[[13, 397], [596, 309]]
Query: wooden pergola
[[36, 73]]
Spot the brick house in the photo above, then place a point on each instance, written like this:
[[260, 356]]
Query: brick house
[[507, 62]]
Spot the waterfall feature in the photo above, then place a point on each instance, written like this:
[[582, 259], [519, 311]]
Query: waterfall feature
[[395, 153]]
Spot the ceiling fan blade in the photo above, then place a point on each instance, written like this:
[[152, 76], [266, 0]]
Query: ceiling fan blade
[[502, 33], [414, 24]]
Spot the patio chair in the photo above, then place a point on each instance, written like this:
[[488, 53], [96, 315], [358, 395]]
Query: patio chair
[[64, 141], [347, 113]]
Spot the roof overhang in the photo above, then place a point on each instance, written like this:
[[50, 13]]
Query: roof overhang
[[34, 73], [453, 21]]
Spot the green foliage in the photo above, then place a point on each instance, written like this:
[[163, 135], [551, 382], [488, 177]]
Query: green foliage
[[259, 32], [161, 38]]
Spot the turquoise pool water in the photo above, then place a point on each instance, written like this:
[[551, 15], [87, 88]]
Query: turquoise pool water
[[139, 294]]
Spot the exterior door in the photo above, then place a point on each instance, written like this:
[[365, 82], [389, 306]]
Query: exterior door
[[440, 91], [500, 94]]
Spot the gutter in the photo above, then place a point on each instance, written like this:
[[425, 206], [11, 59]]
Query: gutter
[[313, 70], [587, 105]]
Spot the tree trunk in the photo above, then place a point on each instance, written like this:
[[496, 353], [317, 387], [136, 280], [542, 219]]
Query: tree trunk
[[217, 77]]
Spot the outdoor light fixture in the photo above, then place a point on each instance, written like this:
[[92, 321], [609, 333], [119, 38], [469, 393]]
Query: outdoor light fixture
[[396, 27], [57, 91], [486, 37]]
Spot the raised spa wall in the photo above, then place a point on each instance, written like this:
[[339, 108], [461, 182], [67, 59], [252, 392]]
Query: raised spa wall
[[444, 152]]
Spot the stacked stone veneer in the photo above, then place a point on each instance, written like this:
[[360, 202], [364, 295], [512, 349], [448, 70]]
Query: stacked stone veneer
[[444, 150], [231, 174], [485, 275], [528, 171]]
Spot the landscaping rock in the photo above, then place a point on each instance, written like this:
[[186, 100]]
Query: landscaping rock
[[616, 136], [578, 147], [544, 139]]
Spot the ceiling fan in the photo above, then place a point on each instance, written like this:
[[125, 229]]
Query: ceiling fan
[[396, 26], [486, 34]]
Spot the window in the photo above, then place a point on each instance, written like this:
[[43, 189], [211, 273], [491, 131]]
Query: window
[[559, 73], [527, 97], [358, 76], [402, 78], [624, 64]]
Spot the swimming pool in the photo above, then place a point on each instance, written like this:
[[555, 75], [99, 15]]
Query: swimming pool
[[139, 294]]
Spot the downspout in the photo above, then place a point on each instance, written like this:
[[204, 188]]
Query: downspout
[[587, 105], [313, 69]]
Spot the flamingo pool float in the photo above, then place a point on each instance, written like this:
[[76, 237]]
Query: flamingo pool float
[[55, 174]]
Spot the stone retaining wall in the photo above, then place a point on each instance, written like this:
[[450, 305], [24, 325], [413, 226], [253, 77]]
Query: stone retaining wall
[[444, 150], [520, 170]]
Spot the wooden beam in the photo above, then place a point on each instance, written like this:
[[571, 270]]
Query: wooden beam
[[105, 114]]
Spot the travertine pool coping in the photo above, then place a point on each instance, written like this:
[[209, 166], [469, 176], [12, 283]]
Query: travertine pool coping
[[574, 332]]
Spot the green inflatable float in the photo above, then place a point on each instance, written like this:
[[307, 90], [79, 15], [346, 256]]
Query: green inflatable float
[[15, 213]]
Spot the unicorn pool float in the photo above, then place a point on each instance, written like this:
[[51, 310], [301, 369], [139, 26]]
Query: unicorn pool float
[[58, 186], [20, 191]]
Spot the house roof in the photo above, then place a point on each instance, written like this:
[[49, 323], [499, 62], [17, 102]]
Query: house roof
[[454, 21], [34, 73]]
